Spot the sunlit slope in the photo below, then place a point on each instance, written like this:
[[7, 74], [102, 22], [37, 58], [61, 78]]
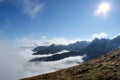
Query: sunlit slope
[[106, 67]]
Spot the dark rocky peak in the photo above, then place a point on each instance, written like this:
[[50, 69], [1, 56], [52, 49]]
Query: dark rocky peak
[[116, 39]]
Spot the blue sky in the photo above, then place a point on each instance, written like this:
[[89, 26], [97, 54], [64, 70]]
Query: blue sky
[[57, 18]]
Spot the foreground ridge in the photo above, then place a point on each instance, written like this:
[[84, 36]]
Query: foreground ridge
[[106, 67]]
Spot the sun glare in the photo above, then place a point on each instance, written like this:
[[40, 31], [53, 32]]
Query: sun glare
[[103, 9]]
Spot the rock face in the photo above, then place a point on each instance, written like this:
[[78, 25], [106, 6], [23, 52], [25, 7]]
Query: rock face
[[92, 50], [106, 67]]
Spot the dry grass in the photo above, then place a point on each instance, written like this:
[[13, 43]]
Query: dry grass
[[106, 67]]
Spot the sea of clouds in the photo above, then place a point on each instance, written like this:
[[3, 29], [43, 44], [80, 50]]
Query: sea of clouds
[[14, 63], [14, 59]]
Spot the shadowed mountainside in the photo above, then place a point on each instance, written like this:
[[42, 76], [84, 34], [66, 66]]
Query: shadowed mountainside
[[106, 67], [92, 50], [79, 45]]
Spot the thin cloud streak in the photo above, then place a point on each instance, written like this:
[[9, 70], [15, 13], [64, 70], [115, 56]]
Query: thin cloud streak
[[31, 7]]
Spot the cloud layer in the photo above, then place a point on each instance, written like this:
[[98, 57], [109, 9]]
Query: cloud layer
[[44, 41], [100, 35], [14, 59], [14, 62], [10, 62], [42, 67]]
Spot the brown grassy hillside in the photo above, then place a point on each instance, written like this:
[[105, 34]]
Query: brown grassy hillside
[[106, 67]]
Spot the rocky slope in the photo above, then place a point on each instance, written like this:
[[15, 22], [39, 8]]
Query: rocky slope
[[106, 67]]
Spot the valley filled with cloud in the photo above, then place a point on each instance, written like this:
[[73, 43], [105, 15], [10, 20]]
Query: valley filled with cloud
[[15, 62], [15, 57]]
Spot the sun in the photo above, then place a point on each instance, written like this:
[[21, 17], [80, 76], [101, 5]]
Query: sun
[[103, 9]]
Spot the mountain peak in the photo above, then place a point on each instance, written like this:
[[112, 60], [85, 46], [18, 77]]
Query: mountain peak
[[117, 38]]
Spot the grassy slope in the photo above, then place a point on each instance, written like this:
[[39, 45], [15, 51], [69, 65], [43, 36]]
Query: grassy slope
[[106, 67]]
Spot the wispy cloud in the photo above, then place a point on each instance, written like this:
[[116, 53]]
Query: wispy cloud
[[100, 35], [31, 7]]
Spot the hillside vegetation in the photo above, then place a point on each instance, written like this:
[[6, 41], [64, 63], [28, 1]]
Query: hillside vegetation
[[106, 67]]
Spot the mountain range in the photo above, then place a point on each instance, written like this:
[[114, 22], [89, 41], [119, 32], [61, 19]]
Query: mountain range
[[106, 67], [92, 49], [79, 45]]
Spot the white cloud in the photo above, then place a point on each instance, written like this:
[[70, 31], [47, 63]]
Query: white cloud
[[46, 41], [27, 41], [31, 7], [11, 63], [100, 35], [62, 40], [117, 35], [14, 62], [44, 37], [42, 67]]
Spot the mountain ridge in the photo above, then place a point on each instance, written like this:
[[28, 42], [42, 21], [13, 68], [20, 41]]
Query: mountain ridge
[[51, 49], [105, 67], [95, 49]]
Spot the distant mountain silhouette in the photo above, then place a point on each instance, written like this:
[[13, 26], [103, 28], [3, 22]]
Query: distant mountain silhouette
[[106, 67], [95, 49], [57, 48]]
